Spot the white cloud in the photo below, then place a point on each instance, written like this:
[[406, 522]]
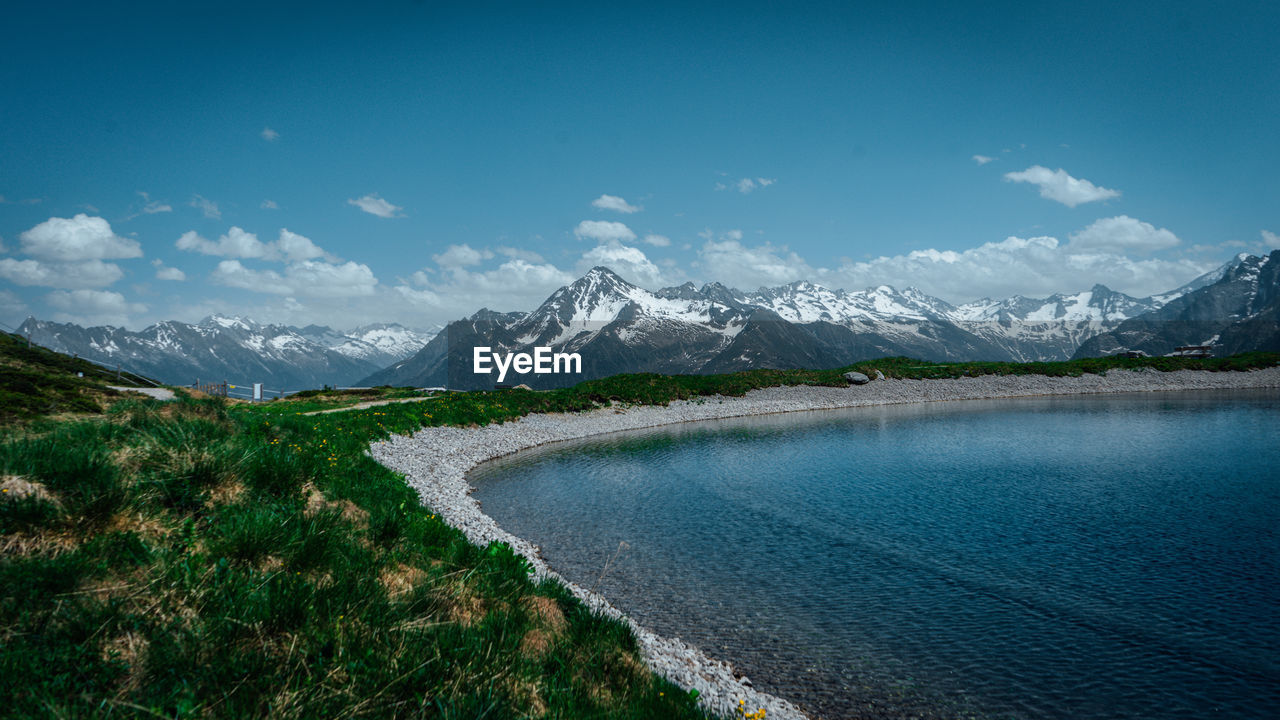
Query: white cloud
[[516, 284], [92, 307], [303, 279], [269, 205], [294, 247], [604, 231], [375, 205], [170, 273], [982, 159], [1271, 238], [154, 207], [1123, 233], [78, 238], [528, 256], [330, 280], [234, 274], [236, 243], [658, 240], [615, 203], [1033, 267], [208, 207], [1058, 186], [457, 256], [240, 243], [734, 264], [629, 262], [270, 135], [69, 275], [746, 184]]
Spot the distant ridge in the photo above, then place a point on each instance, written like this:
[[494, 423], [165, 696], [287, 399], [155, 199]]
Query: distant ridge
[[1238, 312], [236, 349], [618, 327]]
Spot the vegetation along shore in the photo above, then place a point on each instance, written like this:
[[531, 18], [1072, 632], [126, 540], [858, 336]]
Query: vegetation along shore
[[200, 558]]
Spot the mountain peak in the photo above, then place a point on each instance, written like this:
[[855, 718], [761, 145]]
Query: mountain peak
[[601, 272], [227, 321]]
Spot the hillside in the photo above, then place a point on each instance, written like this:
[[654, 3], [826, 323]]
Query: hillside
[[35, 382], [1239, 312], [237, 349], [617, 327]]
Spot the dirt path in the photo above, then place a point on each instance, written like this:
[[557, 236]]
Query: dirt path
[[157, 393], [371, 403]]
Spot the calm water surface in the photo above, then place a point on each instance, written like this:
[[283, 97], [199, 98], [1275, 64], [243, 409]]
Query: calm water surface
[[1095, 557]]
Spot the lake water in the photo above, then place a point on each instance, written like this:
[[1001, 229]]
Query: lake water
[[1089, 557]]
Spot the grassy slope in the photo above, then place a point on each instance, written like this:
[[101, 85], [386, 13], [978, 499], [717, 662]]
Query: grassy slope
[[36, 382], [188, 559], [199, 559]]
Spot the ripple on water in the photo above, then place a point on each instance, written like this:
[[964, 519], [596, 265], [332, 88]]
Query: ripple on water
[[1095, 557]]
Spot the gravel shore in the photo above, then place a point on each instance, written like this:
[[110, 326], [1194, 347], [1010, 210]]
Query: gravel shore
[[435, 462]]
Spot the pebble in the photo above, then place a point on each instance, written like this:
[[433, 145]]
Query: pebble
[[436, 460]]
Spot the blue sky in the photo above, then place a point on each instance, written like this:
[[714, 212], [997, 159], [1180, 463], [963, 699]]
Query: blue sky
[[413, 162]]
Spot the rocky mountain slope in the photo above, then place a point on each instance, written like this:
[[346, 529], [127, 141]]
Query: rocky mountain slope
[[1240, 311], [617, 327], [235, 349]]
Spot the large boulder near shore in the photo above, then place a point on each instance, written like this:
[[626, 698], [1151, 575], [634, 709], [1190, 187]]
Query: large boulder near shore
[[857, 378]]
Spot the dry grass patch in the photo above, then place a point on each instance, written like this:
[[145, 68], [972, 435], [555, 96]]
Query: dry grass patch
[[228, 493], [465, 607], [46, 543], [148, 527], [546, 612], [535, 644], [401, 579], [347, 510]]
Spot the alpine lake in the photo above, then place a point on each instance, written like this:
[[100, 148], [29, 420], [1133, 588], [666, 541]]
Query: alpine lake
[[1109, 556]]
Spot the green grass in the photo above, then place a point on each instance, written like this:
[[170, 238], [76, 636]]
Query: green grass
[[36, 382], [314, 400], [200, 558], [186, 560]]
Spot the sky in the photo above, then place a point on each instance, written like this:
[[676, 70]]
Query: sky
[[413, 162]]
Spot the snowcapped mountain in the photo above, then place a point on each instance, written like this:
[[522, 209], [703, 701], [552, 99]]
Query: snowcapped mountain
[[618, 327], [380, 344], [1239, 311], [235, 349], [1040, 329]]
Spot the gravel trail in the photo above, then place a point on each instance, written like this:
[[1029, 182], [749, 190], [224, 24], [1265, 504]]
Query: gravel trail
[[435, 462], [157, 393]]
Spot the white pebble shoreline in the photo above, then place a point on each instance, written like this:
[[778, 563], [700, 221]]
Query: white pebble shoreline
[[436, 460]]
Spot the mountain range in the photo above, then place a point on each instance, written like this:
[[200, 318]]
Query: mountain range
[[236, 349], [1237, 313], [619, 327]]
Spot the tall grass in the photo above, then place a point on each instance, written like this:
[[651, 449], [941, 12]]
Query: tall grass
[[180, 560]]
